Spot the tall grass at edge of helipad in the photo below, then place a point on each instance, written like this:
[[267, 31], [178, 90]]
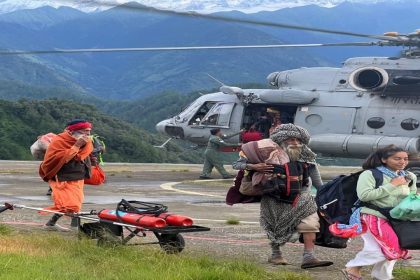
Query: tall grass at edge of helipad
[[54, 256], [407, 274]]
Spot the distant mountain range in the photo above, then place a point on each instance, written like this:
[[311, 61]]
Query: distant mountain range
[[135, 75], [190, 5]]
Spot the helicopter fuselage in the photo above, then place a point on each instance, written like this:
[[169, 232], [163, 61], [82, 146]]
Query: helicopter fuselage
[[349, 111]]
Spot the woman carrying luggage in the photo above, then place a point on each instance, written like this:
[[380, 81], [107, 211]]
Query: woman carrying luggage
[[381, 248]]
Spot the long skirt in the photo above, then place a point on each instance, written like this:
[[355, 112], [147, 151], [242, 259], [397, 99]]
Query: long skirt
[[280, 220]]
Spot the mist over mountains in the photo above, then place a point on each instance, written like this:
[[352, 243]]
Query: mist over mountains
[[135, 75], [188, 5]]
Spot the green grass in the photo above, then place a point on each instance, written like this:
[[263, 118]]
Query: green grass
[[50, 256], [406, 274], [233, 221], [5, 230]]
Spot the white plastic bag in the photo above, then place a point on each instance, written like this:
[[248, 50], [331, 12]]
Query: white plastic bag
[[40, 146]]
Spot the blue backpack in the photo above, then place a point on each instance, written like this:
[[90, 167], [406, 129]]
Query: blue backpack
[[336, 199]]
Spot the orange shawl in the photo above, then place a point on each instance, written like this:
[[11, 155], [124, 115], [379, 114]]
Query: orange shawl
[[59, 152]]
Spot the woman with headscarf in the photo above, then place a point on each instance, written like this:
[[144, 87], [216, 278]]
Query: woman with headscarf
[[381, 247]]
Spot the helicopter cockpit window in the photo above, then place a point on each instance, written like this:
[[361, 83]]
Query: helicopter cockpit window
[[188, 111], [219, 115], [410, 124], [376, 122], [199, 116]]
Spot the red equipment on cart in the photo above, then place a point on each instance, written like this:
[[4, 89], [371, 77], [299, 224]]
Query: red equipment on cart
[[136, 217]]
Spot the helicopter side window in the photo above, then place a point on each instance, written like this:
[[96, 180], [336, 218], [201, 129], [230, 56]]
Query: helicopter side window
[[410, 124], [219, 115], [204, 109]]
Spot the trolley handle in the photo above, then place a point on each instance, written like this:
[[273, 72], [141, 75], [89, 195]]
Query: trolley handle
[[6, 206]]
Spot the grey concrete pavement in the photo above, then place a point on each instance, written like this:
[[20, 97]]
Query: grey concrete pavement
[[176, 186]]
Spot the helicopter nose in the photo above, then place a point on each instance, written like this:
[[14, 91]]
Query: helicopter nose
[[160, 127], [167, 127]]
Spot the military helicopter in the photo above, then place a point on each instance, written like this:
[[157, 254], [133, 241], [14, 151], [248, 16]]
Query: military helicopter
[[350, 111]]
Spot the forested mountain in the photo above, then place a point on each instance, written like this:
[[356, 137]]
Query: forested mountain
[[366, 18], [15, 90], [148, 111], [140, 89], [136, 75], [22, 121], [41, 18]]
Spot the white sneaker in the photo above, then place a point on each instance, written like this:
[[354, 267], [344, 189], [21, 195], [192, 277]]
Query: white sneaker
[[55, 227]]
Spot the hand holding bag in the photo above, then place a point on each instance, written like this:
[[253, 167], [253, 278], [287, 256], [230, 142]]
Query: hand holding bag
[[408, 209]]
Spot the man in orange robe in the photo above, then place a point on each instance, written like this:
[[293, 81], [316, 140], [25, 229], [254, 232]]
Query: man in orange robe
[[66, 164]]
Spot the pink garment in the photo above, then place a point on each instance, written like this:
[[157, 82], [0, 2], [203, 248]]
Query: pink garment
[[385, 236], [264, 151]]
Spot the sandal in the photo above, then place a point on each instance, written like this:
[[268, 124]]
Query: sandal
[[350, 276]]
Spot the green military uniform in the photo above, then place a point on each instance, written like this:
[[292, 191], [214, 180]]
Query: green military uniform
[[212, 155]]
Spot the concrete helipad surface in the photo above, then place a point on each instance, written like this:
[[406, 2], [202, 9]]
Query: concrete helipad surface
[[177, 187]]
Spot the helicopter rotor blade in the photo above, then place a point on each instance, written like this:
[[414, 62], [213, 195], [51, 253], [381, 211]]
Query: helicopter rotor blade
[[108, 50], [137, 6]]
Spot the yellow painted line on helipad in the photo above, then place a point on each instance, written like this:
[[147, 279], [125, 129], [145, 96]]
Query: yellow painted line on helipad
[[170, 187]]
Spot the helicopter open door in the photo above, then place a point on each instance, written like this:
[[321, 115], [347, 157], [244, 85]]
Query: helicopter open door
[[261, 116]]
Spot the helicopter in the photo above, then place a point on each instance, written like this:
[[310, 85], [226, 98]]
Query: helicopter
[[350, 111], [368, 103]]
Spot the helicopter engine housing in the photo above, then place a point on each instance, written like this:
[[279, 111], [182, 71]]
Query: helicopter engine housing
[[369, 79]]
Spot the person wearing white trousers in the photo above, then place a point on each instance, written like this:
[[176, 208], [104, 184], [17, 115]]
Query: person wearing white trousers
[[379, 238], [372, 255]]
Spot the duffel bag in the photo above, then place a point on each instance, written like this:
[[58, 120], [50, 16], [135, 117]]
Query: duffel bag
[[408, 233]]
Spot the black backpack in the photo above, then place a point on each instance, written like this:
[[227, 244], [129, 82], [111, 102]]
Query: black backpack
[[336, 199]]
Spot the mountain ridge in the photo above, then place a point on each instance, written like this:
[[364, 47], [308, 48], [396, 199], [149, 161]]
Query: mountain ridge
[[138, 75], [207, 6]]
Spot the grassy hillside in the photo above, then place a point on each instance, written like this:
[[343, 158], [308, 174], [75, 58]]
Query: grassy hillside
[[147, 112], [15, 90], [22, 121]]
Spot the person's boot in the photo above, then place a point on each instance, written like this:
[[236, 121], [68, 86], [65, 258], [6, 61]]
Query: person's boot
[[55, 227], [310, 261], [51, 225], [278, 260], [276, 255]]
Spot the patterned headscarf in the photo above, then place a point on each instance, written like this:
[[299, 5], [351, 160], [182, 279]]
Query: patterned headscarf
[[286, 131]]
